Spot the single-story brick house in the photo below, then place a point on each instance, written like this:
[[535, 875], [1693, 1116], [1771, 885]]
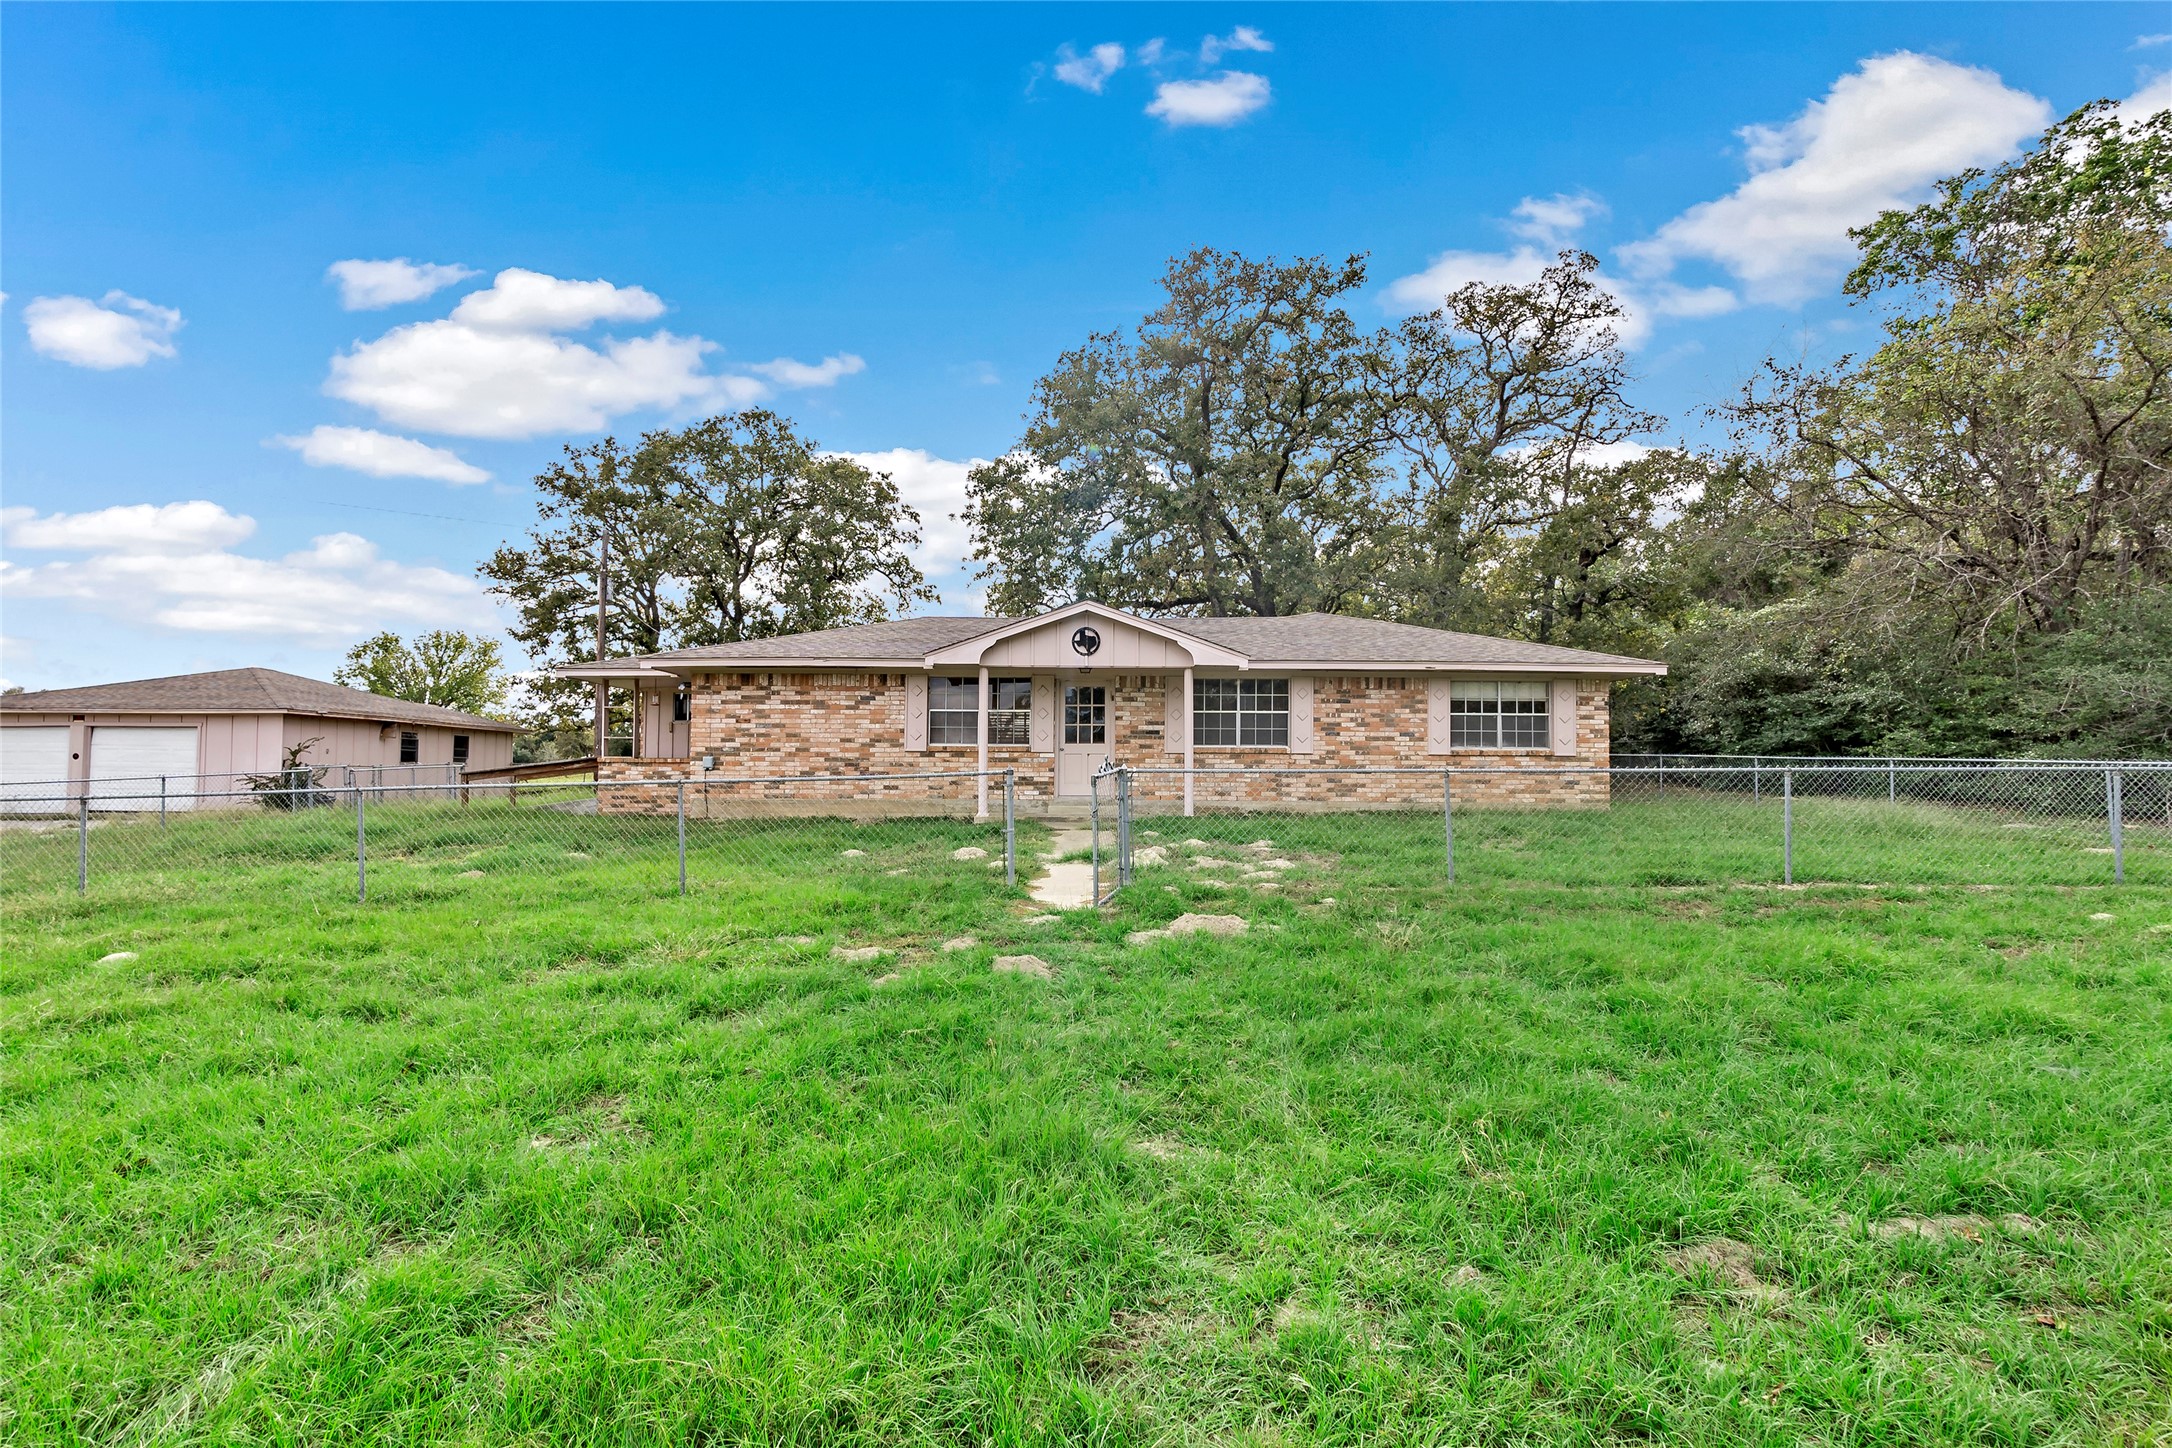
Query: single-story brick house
[[1057, 696], [203, 732]]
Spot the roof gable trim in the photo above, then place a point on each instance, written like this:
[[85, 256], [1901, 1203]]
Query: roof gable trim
[[970, 650]]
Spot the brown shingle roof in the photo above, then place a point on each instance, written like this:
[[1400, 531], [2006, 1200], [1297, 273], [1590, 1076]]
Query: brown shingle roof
[[1311, 638], [243, 691], [1340, 639], [897, 640]]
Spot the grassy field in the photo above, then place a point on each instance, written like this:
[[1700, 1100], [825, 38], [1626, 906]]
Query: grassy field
[[529, 1149]]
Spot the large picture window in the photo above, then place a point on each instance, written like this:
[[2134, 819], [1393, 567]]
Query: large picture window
[[1245, 713], [1497, 716], [952, 719]]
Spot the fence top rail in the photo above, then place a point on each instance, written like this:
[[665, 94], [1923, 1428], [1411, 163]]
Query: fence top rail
[[1690, 761], [450, 771], [1729, 770], [14, 793]]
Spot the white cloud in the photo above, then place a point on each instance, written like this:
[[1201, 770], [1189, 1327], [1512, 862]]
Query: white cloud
[[1641, 304], [786, 372], [1150, 54], [528, 301], [1223, 101], [135, 527], [2154, 96], [382, 455], [936, 488], [116, 331], [1091, 71], [1244, 37], [366, 285], [1878, 139], [496, 367], [335, 591], [1552, 220], [2145, 42]]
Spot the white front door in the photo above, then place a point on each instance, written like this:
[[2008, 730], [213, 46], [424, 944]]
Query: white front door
[[1082, 738]]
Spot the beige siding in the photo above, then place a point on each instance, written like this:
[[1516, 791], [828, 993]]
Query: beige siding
[[1049, 648]]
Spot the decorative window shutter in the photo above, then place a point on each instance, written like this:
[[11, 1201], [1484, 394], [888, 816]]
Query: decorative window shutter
[[1042, 729], [1301, 714], [1176, 726], [916, 712], [1437, 694], [1563, 732]]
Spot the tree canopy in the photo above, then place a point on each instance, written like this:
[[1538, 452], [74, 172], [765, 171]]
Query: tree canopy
[[444, 666], [733, 528], [1959, 542]]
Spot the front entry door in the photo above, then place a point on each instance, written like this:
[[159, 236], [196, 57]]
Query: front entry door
[[1082, 746]]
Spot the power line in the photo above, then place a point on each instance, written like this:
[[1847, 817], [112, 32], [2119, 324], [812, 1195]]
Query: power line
[[409, 513]]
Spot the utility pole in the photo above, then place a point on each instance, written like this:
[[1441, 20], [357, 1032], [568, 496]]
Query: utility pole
[[603, 600]]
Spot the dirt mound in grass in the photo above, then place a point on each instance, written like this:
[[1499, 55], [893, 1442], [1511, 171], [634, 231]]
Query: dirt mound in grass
[[1968, 1227], [1731, 1262]]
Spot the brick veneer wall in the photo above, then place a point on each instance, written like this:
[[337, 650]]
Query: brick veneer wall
[[854, 724]]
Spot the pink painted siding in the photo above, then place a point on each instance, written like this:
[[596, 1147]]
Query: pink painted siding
[[233, 744]]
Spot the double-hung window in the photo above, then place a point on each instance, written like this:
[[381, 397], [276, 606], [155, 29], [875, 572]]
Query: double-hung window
[[410, 746], [1010, 711], [952, 719], [1244, 713], [460, 749], [1497, 716]]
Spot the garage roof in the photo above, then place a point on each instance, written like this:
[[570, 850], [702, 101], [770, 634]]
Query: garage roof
[[244, 691]]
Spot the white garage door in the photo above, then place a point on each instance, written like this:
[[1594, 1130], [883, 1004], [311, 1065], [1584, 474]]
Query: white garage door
[[30, 760], [126, 765]]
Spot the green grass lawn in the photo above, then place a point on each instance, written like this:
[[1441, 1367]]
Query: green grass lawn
[[529, 1149]]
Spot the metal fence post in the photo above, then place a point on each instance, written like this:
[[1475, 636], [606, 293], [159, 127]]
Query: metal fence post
[[1892, 782], [361, 850], [1010, 828], [1448, 818], [1094, 810], [2115, 809], [82, 842], [682, 836], [1787, 826], [1123, 828], [162, 801], [1757, 781]]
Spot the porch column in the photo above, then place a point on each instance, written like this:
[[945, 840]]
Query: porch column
[[980, 721], [1191, 732]]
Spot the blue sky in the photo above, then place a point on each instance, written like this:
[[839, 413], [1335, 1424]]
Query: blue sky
[[885, 222]]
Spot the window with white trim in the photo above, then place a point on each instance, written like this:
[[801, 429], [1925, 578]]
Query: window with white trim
[[1243, 713], [1497, 715], [1010, 711], [952, 719]]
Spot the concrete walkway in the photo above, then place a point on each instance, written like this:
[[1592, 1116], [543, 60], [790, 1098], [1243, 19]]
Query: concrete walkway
[[1066, 884]]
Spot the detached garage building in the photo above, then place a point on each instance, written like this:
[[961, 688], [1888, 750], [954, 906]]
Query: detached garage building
[[201, 733]]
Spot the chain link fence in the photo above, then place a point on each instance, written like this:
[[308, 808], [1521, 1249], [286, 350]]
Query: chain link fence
[[1885, 822], [170, 794], [323, 838]]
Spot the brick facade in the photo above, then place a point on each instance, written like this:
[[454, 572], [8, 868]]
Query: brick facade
[[787, 724]]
